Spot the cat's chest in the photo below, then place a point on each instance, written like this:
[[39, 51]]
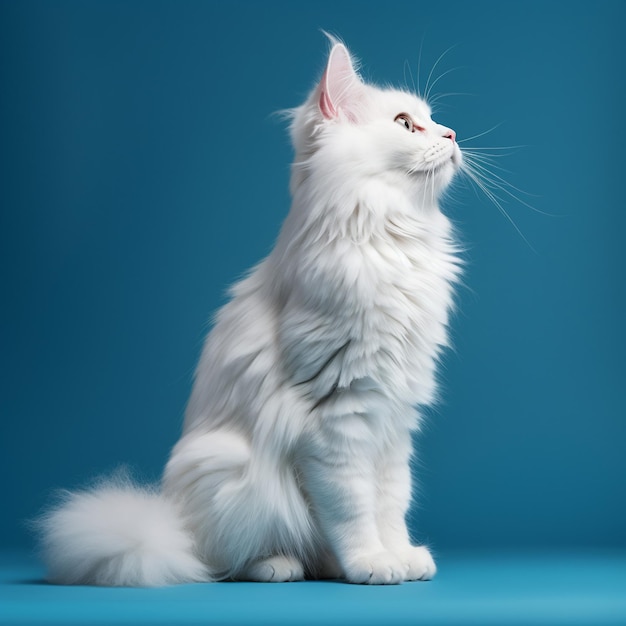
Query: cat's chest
[[400, 307], [372, 308], [404, 280]]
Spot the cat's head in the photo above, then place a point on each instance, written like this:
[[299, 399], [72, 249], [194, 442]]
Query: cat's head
[[349, 128]]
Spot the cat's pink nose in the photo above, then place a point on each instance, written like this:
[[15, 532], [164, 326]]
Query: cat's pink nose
[[451, 135]]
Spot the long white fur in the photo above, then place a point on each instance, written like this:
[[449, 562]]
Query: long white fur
[[294, 460]]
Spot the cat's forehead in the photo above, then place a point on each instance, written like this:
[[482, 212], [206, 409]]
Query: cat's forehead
[[395, 101]]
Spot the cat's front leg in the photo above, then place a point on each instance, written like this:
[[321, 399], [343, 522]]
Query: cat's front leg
[[394, 488], [339, 478]]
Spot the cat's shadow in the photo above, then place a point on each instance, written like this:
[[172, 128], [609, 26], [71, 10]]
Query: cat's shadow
[[31, 581], [44, 582]]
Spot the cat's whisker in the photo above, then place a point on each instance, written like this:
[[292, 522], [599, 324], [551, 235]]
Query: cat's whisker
[[430, 88], [477, 180], [482, 148], [484, 174], [487, 161], [433, 191], [407, 66], [443, 54], [493, 184], [419, 65], [494, 181], [440, 96], [424, 188], [483, 166], [486, 155], [480, 134], [505, 187], [427, 192]]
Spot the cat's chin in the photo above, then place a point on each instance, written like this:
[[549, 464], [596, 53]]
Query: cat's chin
[[433, 182], [441, 172]]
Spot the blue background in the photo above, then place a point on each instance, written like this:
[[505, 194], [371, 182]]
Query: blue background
[[142, 172]]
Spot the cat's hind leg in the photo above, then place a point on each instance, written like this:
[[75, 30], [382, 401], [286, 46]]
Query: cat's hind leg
[[276, 569]]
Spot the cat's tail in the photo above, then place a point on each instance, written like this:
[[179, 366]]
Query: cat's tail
[[118, 534]]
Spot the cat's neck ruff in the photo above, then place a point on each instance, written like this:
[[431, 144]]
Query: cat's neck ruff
[[376, 268]]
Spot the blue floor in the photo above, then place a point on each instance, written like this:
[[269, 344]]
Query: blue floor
[[470, 588]]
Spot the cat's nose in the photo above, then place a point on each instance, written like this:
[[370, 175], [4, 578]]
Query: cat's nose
[[450, 134]]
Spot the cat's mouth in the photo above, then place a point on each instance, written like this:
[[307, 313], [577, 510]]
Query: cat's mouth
[[454, 161]]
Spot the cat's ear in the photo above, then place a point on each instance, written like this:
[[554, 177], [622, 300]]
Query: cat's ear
[[340, 85]]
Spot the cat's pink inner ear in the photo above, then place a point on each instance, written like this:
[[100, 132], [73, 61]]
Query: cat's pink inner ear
[[326, 105], [338, 83]]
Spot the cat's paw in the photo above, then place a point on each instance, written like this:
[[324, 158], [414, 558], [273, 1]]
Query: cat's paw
[[381, 568], [276, 569], [418, 562]]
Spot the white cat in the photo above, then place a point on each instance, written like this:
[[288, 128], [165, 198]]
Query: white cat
[[294, 460]]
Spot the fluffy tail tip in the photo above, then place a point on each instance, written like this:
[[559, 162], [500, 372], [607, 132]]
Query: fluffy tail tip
[[118, 534]]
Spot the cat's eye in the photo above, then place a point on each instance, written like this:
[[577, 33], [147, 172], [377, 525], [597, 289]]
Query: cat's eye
[[405, 120]]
